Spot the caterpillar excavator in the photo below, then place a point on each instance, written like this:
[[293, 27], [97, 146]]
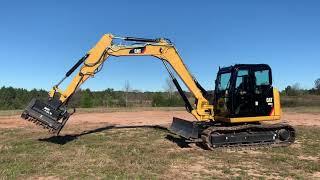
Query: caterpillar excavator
[[244, 97]]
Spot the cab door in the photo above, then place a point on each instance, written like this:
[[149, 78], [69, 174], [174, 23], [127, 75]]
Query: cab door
[[222, 99], [263, 91], [242, 91]]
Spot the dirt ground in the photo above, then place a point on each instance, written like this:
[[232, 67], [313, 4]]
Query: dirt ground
[[83, 121], [88, 148]]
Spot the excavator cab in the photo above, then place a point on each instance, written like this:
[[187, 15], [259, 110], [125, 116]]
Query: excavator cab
[[244, 91], [243, 98]]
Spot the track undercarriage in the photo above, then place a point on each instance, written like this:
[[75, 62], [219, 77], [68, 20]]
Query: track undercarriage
[[220, 135]]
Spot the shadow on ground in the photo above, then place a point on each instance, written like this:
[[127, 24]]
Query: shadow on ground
[[181, 142]]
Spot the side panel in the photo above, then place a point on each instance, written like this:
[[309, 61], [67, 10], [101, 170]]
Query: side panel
[[274, 115], [277, 105]]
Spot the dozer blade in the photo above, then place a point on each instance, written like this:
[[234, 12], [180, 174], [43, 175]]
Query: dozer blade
[[45, 115], [184, 128]]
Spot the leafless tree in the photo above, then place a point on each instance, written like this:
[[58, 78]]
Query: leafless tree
[[170, 87], [296, 87], [127, 89], [317, 84], [293, 90]]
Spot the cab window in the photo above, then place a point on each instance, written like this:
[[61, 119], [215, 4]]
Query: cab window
[[241, 78], [224, 81], [262, 78]]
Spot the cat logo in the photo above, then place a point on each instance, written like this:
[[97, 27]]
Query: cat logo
[[269, 100], [139, 50]]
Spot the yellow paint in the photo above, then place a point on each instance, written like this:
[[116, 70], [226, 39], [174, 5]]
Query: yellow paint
[[277, 106], [247, 119], [163, 51]]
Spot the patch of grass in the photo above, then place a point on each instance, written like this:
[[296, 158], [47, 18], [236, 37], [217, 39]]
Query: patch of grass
[[10, 112], [145, 153], [299, 109], [302, 109], [129, 109], [104, 110], [300, 101]]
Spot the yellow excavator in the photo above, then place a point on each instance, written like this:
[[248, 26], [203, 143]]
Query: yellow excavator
[[242, 100]]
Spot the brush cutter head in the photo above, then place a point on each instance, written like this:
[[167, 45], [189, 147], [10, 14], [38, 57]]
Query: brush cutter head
[[46, 114]]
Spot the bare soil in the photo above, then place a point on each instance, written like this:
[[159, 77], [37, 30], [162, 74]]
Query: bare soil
[[302, 119], [87, 149], [163, 118]]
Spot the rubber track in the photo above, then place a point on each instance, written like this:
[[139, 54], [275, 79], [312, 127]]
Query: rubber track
[[256, 145]]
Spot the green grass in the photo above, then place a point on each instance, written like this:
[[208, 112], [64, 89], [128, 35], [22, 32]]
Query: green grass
[[10, 112], [300, 101], [140, 153], [129, 109], [300, 109], [103, 110]]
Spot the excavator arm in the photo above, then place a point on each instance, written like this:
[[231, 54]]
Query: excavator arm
[[53, 114]]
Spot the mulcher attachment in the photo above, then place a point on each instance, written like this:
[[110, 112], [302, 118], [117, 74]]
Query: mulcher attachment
[[221, 135], [46, 114]]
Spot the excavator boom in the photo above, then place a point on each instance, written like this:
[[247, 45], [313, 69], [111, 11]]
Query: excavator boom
[[242, 98], [53, 114]]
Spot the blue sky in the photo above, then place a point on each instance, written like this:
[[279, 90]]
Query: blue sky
[[41, 40]]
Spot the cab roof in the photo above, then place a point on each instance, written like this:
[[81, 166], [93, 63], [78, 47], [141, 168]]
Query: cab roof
[[247, 66]]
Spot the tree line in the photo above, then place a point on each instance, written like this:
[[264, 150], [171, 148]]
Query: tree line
[[18, 98], [296, 90], [295, 96]]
